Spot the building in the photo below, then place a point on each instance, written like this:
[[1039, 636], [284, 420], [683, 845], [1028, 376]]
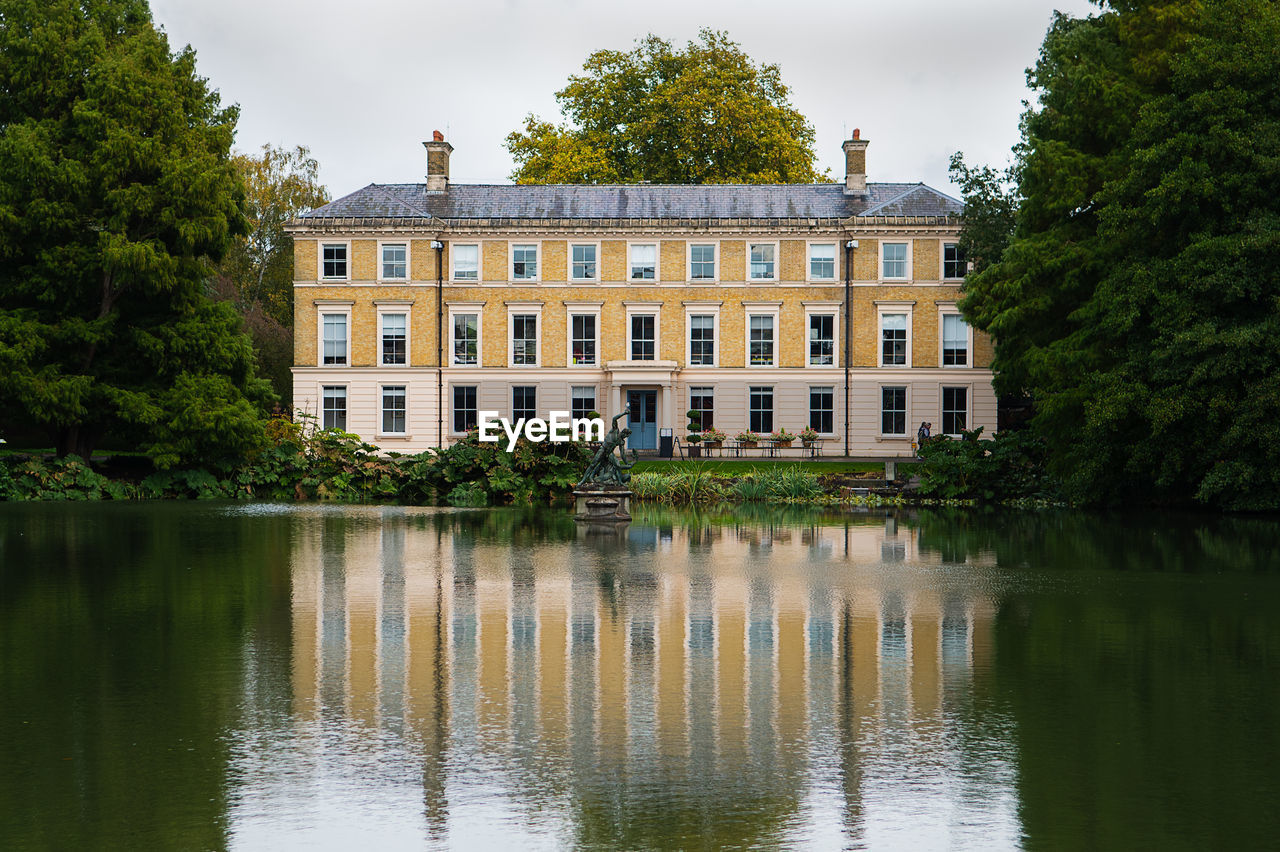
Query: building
[[763, 307]]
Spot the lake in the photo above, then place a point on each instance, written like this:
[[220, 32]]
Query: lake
[[251, 676]]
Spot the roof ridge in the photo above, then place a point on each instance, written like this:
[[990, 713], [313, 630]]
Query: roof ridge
[[379, 188]]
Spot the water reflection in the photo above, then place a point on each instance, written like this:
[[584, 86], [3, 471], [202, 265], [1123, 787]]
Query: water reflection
[[473, 679]]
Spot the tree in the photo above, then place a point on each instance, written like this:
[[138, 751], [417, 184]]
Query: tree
[[1138, 299], [257, 272], [705, 114], [116, 192]]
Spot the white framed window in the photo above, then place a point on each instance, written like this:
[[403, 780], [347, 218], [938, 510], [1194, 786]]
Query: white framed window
[[954, 263], [524, 261], [524, 401], [582, 400], [955, 410], [893, 411], [524, 340], [642, 261], [584, 262], [761, 343], [395, 410], [583, 337], [702, 399], [894, 333], [393, 337], [894, 261], [465, 258], [643, 330], [821, 340], [702, 340], [822, 409], [957, 340], [393, 261], [822, 261], [335, 332], [464, 333], [762, 262], [704, 262], [335, 262], [760, 409], [333, 411], [465, 414]]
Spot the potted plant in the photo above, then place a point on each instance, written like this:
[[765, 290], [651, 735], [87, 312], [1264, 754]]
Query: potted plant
[[782, 438], [693, 439], [748, 439], [808, 436], [713, 439]]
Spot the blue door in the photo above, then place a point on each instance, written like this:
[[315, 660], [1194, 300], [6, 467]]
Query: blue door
[[643, 420]]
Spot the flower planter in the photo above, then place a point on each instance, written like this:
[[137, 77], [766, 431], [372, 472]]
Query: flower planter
[[809, 445], [782, 444], [712, 445], [695, 451], [747, 445]]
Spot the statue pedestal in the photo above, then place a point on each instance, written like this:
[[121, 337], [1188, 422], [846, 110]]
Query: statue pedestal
[[602, 504]]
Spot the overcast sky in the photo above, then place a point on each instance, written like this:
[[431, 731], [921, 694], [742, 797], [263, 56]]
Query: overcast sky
[[363, 83]]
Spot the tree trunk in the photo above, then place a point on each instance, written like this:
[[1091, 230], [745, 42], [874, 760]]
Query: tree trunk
[[77, 440]]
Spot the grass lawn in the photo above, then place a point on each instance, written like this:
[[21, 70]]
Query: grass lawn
[[737, 467]]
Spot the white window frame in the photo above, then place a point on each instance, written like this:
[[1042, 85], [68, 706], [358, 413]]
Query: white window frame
[[655, 308], [762, 309], [572, 309], [511, 395], [688, 261], [511, 261], [453, 406], [453, 262], [883, 308], [408, 265], [773, 408], [809, 389], [777, 261], [831, 309], [382, 410], [320, 247], [689, 397], [476, 308], [808, 261], [906, 260], [389, 306], [942, 260], [331, 307], [946, 309], [523, 308], [569, 271], [968, 406], [692, 309], [346, 397], [656, 245], [595, 397], [906, 418]]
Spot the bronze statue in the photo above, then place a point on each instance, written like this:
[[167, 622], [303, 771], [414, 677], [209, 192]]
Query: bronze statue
[[605, 468]]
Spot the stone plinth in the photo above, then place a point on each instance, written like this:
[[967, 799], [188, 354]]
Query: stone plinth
[[602, 505]]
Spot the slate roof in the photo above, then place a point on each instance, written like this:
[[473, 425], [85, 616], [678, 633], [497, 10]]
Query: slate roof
[[644, 201]]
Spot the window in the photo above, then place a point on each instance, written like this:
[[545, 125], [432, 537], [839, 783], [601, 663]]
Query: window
[[760, 409], [644, 262], [466, 339], [524, 339], [393, 410], [762, 261], [395, 340], [395, 261], [643, 337], [822, 406], [584, 338], [702, 340], [464, 408], [822, 340], [335, 338], [761, 341], [584, 263], [466, 263], [894, 257], [893, 411], [703, 401], [582, 401], [955, 341], [822, 262], [955, 410], [334, 411], [524, 401], [524, 262], [334, 261], [702, 262], [954, 264], [893, 340]]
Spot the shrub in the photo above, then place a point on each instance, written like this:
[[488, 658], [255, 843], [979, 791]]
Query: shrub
[[1010, 467]]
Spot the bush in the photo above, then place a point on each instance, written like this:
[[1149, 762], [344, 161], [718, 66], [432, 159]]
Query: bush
[[1010, 467]]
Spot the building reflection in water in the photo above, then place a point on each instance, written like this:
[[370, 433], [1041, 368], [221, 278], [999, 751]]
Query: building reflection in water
[[677, 685]]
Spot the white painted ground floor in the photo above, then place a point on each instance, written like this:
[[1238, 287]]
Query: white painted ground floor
[[410, 409]]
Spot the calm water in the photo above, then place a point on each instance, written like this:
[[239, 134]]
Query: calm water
[[197, 676]]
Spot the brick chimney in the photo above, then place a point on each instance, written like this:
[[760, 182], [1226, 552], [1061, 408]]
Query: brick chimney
[[438, 152], [855, 165]]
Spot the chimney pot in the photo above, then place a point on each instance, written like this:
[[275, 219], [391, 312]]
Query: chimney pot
[[437, 136], [855, 165], [857, 134]]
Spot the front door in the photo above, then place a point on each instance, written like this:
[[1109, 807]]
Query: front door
[[643, 420]]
